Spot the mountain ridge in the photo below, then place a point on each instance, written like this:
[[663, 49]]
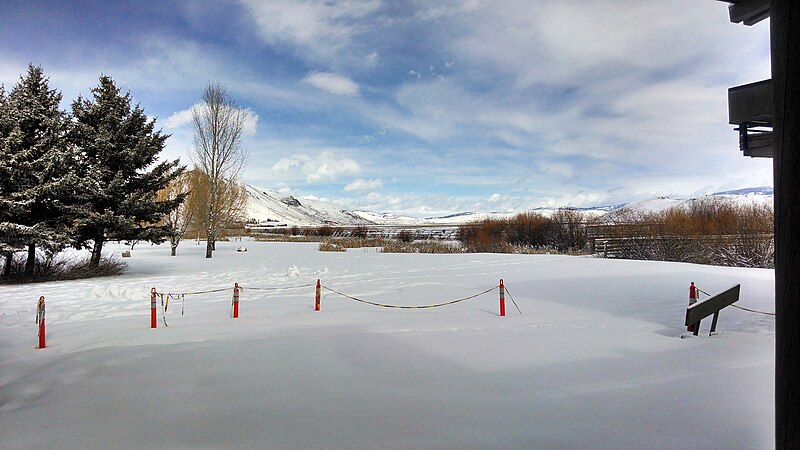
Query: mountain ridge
[[267, 208]]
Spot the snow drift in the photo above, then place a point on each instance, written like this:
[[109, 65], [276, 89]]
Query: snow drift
[[595, 361]]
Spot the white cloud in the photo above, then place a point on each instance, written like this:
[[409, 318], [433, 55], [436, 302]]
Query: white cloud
[[321, 31], [364, 185], [559, 169], [250, 122], [182, 118], [323, 167], [333, 83]]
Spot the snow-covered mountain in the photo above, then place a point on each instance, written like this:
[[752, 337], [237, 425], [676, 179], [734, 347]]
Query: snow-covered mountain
[[766, 191], [762, 195], [267, 208]]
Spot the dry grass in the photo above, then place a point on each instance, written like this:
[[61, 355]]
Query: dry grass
[[388, 245], [57, 267], [564, 232]]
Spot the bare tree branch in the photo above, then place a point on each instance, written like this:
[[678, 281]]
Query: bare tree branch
[[218, 125]]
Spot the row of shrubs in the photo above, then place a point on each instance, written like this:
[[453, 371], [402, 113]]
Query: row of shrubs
[[326, 231], [564, 231], [705, 231], [390, 245], [710, 230]]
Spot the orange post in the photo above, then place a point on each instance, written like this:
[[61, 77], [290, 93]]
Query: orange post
[[235, 300], [316, 303], [502, 299], [153, 321], [40, 321], [692, 301]]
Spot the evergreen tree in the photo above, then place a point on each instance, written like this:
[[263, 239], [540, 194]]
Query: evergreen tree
[[121, 172], [36, 170], [7, 248]]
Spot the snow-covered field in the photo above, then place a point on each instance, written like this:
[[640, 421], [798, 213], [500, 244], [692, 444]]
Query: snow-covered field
[[595, 361]]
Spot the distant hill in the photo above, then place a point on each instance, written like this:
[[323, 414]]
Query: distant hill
[[766, 190], [749, 195], [267, 208]]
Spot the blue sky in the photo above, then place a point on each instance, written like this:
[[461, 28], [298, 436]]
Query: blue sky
[[428, 108]]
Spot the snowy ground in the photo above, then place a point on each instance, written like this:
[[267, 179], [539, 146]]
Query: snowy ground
[[595, 361]]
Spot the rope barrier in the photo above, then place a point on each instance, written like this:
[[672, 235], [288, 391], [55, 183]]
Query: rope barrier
[[384, 305], [754, 311], [213, 291], [206, 292], [164, 309], [742, 307], [277, 288], [166, 296], [180, 297], [512, 300]]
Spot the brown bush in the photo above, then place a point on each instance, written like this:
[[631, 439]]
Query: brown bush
[[330, 247], [406, 236], [705, 231], [420, 247], [530, 230], [569, 230], [487, 236], [526, 232], [360, 231], [322, 231]]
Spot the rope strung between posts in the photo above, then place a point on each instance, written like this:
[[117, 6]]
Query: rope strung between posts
[[512, 299], [740, 307], [277, 288], [754, 311], [166, 296], [206, 292], [212, 291], [383, 305], [164, 308]]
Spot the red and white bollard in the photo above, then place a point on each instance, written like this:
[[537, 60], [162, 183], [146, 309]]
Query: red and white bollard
[[153, 315], [502, 299], [317, 301], [40, 321], [235, 300], [692, 301]]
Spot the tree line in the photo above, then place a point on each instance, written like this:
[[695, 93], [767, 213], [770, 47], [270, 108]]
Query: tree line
[[83, 177]]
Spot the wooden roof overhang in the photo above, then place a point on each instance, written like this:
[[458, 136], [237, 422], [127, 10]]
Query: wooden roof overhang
[[751, 107]]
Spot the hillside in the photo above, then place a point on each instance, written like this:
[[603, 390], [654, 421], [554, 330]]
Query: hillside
[[267, 208]]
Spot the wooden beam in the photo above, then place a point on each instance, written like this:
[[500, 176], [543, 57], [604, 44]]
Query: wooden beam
[[785, 49], [749, 12], [699, 311], [757, 145], [751, 103]]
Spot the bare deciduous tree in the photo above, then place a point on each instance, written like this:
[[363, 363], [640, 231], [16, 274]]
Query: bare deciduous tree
[[177, 221], [219, 152]]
